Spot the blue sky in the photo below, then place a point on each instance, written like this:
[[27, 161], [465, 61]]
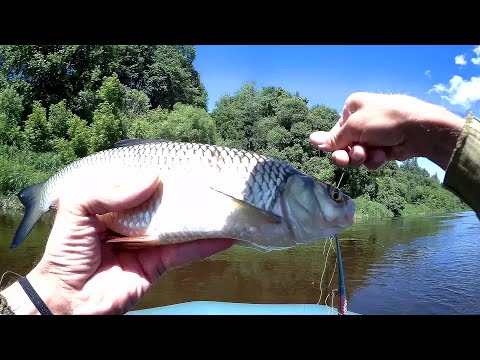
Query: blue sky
[[326, 75]]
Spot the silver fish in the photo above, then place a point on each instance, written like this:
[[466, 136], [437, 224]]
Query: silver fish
[[205, 191]]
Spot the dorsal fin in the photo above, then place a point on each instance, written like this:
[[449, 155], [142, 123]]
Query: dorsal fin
[[130, 142]]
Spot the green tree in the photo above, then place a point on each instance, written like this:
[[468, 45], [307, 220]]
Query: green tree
[[107, 128], [188, 123], [391, 193], [37, 131], [149, 125], [235, 117], [322, 118], [51, 73], [11, 108], [291, 111], [58, 117], [79, 135], [135, 102]]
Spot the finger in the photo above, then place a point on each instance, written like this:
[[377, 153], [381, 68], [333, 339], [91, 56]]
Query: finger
[[110, 194], [400, 152], [339, 137], [352, 104], [317, 137], [375, 159], [158, 260], [340, 158], [357, 155]]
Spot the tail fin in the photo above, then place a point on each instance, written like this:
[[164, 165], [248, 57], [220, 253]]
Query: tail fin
[[30, 198]]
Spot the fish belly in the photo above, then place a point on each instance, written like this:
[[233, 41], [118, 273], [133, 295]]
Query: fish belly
[[181, 212]]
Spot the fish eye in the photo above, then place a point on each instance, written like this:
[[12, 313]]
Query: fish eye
[[336, 195]]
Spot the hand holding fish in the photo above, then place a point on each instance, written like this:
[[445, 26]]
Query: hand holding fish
[[205, 198], [375, 128], [80, 274]]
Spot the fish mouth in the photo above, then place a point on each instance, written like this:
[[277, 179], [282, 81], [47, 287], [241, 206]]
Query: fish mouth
[[349, 216]]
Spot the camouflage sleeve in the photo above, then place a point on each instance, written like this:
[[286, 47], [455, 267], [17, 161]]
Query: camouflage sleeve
[[462, 176]]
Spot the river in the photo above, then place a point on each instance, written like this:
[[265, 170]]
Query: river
[[406, 265]]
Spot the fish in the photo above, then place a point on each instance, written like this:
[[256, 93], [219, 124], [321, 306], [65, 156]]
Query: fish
[[204, 191]]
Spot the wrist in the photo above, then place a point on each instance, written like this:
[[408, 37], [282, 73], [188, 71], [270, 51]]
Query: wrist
[[18, 300], [448, 133], [440, 131], [47, 289]]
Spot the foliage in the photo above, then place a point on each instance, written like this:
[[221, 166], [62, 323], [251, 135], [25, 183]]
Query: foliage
[[187, 123], [37, 131], [61, 103], [52, 73], [366, 208], [21, 168]]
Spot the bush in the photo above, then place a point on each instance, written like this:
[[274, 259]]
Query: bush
[[366, 208]]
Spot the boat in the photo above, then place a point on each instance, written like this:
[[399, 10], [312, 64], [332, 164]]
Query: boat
[[232, 308]]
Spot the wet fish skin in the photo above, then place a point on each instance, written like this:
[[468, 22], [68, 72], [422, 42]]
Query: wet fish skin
[[205, 191]]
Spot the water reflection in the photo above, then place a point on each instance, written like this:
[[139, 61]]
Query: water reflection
[[411, 265]]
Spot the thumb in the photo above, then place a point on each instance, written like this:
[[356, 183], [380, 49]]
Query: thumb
[[339, 137], [112, 194]]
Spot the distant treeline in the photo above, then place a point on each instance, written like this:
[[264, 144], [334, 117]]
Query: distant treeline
[[60, 103]]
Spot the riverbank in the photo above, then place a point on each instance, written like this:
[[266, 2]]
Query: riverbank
[[10, 203]]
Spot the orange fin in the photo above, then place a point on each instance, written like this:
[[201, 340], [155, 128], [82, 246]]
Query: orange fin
[[133, 242]]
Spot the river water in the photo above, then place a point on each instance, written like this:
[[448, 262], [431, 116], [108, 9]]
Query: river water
[[406, 265]]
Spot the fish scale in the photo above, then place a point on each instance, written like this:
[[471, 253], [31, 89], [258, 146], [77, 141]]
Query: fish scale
[[204, 191], [268, 174]]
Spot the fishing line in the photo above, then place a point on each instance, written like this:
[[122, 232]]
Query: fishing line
[[331, 305], [321, 278], [326, 303], [339, 181], [1, 279], [312, 271], [330, 242], [5, 273], [330, 310], [324, 246], [334, 268]]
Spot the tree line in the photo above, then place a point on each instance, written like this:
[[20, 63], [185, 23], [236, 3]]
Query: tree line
[[60, 103]]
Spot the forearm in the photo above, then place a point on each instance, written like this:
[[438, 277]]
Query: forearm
[[435, 133]]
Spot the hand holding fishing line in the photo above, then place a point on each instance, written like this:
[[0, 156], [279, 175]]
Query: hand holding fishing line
[[80, 274], [375, 128]]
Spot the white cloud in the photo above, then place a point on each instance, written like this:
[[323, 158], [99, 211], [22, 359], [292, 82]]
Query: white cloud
[[460, 92], [428, 73], [460, 60], [476, 60]]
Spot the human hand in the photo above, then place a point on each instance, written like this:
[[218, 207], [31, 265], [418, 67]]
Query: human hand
[[375, 128], [81, 274]]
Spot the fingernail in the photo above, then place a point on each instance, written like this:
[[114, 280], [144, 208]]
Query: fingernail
[[319, 139]]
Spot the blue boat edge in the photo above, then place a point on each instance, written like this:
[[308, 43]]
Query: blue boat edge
[[231, 308]]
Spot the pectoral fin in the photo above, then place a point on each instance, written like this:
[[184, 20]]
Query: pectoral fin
[[252, 214]]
